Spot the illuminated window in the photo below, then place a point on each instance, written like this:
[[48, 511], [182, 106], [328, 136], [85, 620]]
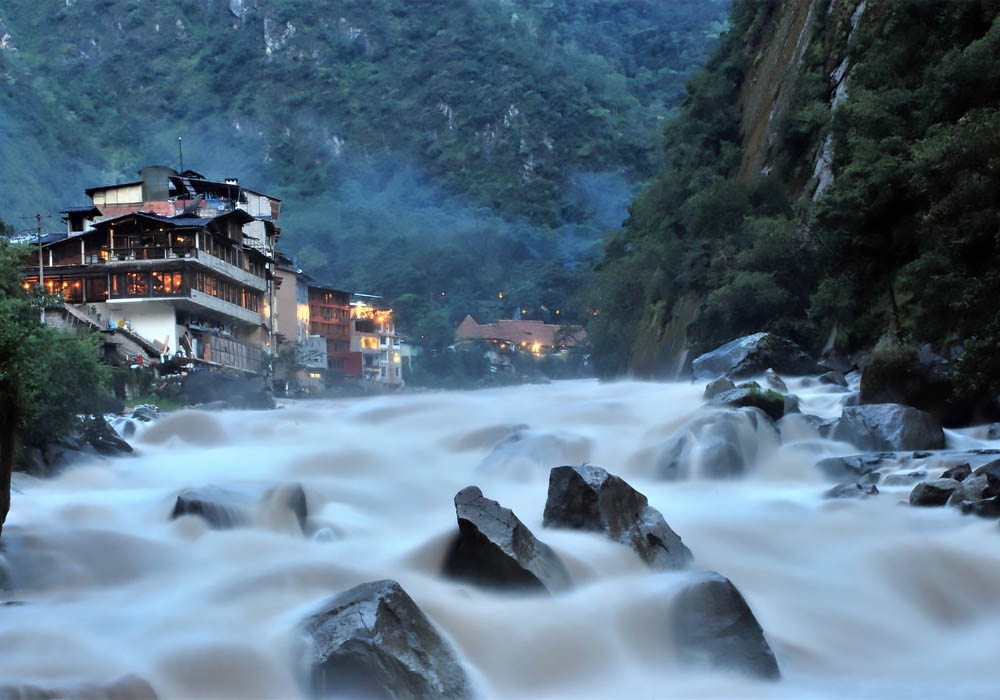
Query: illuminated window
[[136, 284]]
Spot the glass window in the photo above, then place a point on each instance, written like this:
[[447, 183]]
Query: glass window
[[136, 283]]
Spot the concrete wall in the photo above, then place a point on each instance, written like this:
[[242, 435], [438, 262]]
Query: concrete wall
[[153, 320]]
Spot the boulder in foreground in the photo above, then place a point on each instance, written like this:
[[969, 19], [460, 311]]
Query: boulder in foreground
[[372, 641], [712, 625], [494, 548], [589, 498]]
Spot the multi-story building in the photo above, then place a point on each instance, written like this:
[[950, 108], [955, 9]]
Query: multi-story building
[[182, 262], [293, 328], [330, 318], [374, 340]]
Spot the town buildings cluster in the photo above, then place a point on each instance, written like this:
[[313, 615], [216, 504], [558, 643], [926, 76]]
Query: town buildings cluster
[[182, 271]]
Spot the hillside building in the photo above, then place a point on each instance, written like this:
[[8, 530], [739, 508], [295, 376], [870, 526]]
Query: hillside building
[[374, 342], [182, 263]]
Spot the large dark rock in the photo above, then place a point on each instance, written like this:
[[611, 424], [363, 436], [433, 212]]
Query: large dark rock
[[718, 386], [991, 471], [770, 402], [753, 354], [973, 488], [719, 445], [372, 641], [853, 466], [230, 507], [224, 390], [589, 498], [126, 688], [93, 438], [888, 426], [712, 625], [933, 493], [494, 548]]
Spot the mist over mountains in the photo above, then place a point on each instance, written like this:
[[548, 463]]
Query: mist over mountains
[[394, 131]]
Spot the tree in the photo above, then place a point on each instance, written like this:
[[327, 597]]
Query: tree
[[47, 378]]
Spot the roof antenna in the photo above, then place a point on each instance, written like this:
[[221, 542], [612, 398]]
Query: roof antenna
[[180, 152]]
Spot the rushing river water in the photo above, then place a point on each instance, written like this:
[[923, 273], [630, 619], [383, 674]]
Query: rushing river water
[[858, 598]]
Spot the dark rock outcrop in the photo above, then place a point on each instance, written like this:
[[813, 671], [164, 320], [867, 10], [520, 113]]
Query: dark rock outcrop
[[126, 688], [834, 378], [589, 498], [750, 396], [854, 490], [888, 426], [959, 472], [712, 625], [933, 493], [852, 466], [94, 438], [494, 548], [725, 442], [991, 470], [753, 354], [717, 386], [225, 508], [223, 390], [774, 381], [373, 641]]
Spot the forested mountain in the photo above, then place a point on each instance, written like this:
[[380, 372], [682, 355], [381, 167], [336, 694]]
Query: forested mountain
[[460, 146], [832, 177]]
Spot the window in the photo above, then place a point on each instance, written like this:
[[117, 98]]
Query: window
[[166, 283], [136, 284]]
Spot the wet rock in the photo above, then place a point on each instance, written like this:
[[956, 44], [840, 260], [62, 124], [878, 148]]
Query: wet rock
[[717, 386], [853, 466], [959, 472], [225, 508], [494, 548], [973, 488], [712, 625], [770, 402], [373, 641], [589, 498], [984, 507], [146, 413], [888, 426], [752, 355], [720, 445], [991, 470], [774, 381], [993, 431], [834, 378], [933, 493], [523, 452], [126, 688], [905, 479], [855, 490], [93, 438]]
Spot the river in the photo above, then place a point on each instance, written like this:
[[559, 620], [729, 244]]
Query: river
[[858, 598]]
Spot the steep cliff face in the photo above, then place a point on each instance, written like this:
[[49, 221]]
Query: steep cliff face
[[792, 40]]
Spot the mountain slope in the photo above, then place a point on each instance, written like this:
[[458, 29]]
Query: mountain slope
[[375, 120]]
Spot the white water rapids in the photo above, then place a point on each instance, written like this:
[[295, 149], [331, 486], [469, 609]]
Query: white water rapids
[[858, 598]]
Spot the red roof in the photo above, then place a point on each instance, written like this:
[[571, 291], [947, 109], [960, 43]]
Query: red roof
[[517, 332]]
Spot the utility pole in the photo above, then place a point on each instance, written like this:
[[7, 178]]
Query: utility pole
[[41, 270], [180, 152]]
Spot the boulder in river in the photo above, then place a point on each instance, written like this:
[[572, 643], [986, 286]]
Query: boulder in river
[[888, 426], [753, 354], [718, 386], [589, 498], [991, 470], [230, 507], [719, 445], [373, 641], [770, 402], [494, 548], [933, 493], [712, 625]]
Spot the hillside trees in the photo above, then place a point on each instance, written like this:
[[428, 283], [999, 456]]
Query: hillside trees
[[904, 241], [47, 378]]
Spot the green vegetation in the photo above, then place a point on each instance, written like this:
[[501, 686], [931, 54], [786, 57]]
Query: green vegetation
[[903, 242], [47, 378], [419, 147]]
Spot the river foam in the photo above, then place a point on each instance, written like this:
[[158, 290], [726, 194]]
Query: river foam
[[860, 598]]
